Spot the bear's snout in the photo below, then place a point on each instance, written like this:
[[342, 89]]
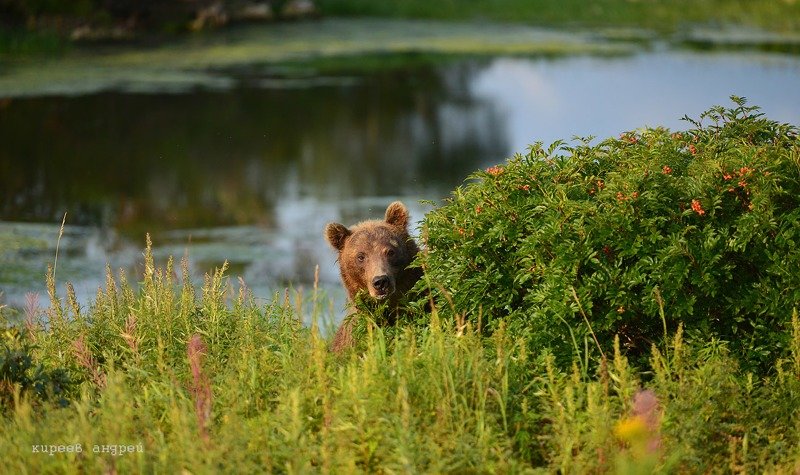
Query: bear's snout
[[383, 285]]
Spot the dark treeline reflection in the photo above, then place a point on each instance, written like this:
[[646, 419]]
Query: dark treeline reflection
[[144, 162]]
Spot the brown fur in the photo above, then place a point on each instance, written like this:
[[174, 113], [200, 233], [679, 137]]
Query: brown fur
[[374, 257]]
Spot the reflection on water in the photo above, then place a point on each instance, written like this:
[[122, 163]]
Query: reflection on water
[[583, 96], [153, 162], [252, 174]]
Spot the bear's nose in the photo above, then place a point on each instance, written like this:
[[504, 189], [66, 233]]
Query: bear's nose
[[381, 284]]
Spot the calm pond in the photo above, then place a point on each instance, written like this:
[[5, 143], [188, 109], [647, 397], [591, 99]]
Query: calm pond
[[247, 162]]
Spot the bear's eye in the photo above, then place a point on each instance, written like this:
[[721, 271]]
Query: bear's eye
[[361, 256], [390, 253]]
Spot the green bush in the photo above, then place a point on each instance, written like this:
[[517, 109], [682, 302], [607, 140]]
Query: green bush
[[631, 237]]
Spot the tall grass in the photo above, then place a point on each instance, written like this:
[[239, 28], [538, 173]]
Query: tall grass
[[171, 378]]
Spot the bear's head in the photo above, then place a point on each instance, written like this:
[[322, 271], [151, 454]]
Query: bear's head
[[374, 255]]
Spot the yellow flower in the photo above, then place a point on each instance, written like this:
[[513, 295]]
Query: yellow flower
[[632, 429]]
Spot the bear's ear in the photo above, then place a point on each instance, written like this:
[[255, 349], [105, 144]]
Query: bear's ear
[[336, 233], [397, 215]]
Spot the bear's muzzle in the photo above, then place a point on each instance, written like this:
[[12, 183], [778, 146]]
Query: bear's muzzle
[[382, 286]]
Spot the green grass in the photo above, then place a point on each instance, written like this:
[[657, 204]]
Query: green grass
[[17, 43], [163, 376], [664, 15], [257, 392]]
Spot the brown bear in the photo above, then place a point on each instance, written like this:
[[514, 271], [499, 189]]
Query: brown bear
[[374, 256]]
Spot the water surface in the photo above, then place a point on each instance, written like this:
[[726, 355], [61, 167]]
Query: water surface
[[249, 168]]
